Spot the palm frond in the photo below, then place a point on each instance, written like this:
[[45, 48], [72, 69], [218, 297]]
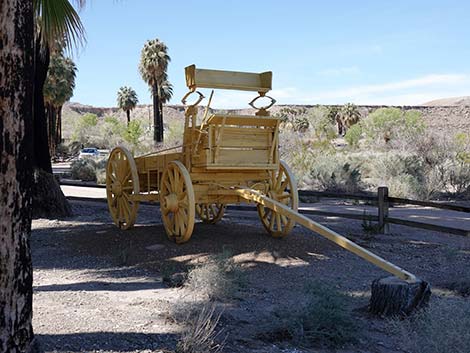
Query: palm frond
[[57, 20]]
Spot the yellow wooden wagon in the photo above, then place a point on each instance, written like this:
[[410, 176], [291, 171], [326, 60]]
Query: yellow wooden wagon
[[224, 159]]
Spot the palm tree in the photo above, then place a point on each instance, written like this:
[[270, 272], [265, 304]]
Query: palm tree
[[127, 100], [153, 64], [58, 89], [347, 116], [58, 26]]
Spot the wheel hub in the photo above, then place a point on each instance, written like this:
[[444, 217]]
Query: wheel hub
[[171, 202], [117, 188]]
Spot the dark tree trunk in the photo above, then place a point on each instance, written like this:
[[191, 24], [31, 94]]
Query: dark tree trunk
[[58, 130], [162, 130], [51, 127], [42, 155], [158, 128], [392, 296], [16, 150], [42, 158], [128, 113]]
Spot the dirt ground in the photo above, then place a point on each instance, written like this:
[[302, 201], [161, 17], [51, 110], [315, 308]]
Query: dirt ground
[[99, 289]]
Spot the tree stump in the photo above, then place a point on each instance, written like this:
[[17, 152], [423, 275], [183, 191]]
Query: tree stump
[[48, 199], [392, 296]]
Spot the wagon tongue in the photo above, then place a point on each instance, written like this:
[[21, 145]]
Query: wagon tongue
[[399, 294]]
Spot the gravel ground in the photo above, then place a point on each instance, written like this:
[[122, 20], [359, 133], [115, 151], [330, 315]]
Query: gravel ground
[[99, 289]]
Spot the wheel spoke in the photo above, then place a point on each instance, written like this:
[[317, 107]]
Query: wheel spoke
[[284, 220], [278, 222], [284, 185], [182, 196], [127, 177]]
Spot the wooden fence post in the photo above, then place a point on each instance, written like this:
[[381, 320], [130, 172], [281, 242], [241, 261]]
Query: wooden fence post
[[382, 195]]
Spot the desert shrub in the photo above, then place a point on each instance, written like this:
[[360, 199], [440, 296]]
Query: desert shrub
[[300, 124], [442, 327], [323, 319], [388, 124], [335, 173], [89, 120], [200, 332], [83, 169], [218, 278], [353, 135], [287, 115], [402, 174], [320, 122], [133, 132]]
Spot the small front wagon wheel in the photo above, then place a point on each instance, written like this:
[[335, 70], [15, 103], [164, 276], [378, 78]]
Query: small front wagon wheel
[[282, 188], [122, 184], [177, 202], [210, 213]]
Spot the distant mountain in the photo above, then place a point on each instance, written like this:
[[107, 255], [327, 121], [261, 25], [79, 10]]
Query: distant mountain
[[449, 102]]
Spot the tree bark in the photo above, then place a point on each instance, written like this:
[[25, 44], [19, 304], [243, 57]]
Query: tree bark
[[42, 157], [162, 130], [158, 128], [392, 296], [128, 113], [16, 150], [58, 130]]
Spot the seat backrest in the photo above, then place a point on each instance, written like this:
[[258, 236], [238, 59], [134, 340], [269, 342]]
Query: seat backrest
[[244, 81]]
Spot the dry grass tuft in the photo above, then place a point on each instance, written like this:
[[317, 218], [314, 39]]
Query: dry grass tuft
[[442, 327], [201, 332]]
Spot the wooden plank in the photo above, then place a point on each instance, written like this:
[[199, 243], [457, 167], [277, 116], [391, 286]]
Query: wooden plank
[[241, 157], [235, 80], [428, 226], [243, 120], [444, 206], [243, 137], [242, 167], [337, 195]]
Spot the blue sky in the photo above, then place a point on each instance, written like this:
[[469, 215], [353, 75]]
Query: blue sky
[[320, 52]]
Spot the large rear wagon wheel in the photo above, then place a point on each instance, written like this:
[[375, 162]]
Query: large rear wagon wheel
[[210, 213], [177, 202], [122, 184], [282, 188]]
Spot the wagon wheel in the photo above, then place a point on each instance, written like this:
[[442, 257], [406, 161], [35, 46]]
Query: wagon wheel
[[122, 183], [282, 188], [210, 213], [177, 202]]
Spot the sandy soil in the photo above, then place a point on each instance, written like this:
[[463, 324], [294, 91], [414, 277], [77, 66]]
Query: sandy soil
[[99, 289]]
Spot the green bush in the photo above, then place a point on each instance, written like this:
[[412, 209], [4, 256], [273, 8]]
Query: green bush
[[388, 124], [353, 135], [133, 132], [83, 169], [323, 319], [333, 173]]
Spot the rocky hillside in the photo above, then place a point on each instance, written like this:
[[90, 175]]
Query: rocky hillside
[[448, 102]]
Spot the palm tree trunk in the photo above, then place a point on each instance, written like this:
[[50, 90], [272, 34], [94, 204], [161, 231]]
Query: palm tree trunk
[[46, 201], [42, 158], [158, 129], [58, 130], [16, 148], [162, 130], [128, 113]]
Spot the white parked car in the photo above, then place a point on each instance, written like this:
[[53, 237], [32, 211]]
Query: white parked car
[[90, 152]]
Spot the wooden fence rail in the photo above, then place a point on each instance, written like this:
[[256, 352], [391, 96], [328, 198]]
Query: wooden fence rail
[[383, 202]]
